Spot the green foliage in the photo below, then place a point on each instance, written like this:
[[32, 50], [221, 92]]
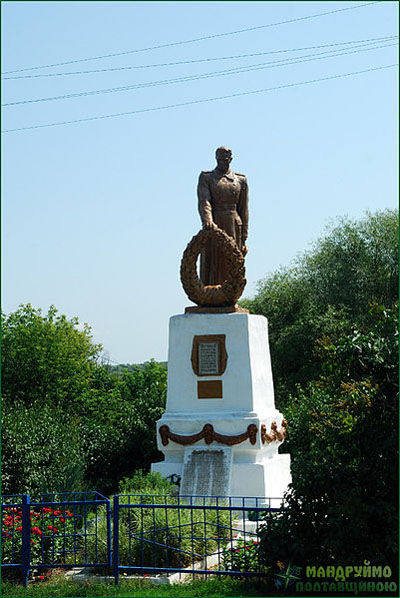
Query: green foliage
[[146, 484], [242, 555], [67, 421], [53, 535], [44, 358], [326, 293], [343, 440], [57, 586], [42, 449], [119, 426], [177, 531]]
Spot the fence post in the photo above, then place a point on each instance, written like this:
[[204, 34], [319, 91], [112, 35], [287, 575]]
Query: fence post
[[109, 546], [26, 538], [116, 539]]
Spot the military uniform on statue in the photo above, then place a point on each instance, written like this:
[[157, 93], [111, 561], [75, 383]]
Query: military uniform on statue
[[221, 432]]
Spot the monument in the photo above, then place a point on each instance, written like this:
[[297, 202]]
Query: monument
[[221, 432]]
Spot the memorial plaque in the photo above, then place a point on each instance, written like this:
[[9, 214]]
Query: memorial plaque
[[208, 359], [209, 355], [207, 472], [209, 389]]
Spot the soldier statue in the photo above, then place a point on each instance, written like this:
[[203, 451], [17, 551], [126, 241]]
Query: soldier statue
[[223, 203]]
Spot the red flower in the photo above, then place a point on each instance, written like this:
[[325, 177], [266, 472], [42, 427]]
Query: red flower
[[46, 510], [62, 519], [57, 512], [41, 577], [55, 530], [19, 529], [49, 527], [36, 530]]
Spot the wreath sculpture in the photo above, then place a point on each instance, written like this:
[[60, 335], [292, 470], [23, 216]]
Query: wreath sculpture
[[230, 290]]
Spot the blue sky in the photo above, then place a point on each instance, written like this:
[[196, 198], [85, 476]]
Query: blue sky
[[96, 214]]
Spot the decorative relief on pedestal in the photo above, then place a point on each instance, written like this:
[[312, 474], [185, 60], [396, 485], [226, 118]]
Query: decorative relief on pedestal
[[274, 435], [209, 355], [209, 435]]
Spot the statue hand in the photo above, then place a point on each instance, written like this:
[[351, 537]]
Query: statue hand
[[210, 225], [244, 250]]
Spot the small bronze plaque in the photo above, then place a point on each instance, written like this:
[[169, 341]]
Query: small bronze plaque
[[209, 389], [209, 355]]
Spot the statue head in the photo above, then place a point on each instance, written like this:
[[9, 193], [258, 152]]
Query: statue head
[[223, 155]]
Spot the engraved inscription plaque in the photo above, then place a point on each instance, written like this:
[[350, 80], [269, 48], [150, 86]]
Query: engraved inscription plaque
[[208, 359], [209, 356], [206, 472]]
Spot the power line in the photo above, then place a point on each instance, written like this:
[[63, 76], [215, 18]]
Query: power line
[[193, 102], [233, 71], [198, 60], [197, 39]]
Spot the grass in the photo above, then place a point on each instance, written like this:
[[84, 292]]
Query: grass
[[212, 588]]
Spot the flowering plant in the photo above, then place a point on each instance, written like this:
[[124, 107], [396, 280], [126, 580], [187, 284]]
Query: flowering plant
[[53, 535], [241, 556]]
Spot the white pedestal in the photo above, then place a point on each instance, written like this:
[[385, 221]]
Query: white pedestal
[[247, 398]]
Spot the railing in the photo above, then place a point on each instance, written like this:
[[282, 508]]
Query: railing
[[152, 534], [53, 530], [207, 535]]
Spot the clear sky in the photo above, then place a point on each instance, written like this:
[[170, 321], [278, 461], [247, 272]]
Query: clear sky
[[96, 214]]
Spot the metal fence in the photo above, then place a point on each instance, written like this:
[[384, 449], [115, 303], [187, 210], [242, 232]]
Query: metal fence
[[190, 535], [55, 530], [152, 534]]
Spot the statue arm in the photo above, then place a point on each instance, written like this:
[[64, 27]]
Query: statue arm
[[204, 196], [243, 208]]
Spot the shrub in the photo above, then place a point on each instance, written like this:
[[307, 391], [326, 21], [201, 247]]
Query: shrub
[[161, 536], [53, 535], [42, 449], [243, 555], [343, 437]]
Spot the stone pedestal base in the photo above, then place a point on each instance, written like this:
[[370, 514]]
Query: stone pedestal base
[[223, 441]]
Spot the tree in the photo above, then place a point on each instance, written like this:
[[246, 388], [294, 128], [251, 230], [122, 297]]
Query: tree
[[326, 292], [45, 357], [343, 436], [120, 426], [59, 400], [42, 449]]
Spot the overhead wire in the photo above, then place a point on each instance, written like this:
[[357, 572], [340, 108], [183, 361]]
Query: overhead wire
[[232, 71], [193, 102], [193, 40], [199, 60]]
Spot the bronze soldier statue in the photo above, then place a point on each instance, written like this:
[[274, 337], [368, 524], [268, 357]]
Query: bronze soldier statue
[[223, 203]]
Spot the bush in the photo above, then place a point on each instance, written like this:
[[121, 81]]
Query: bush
[[67, 421], [161, 536], [53, 535], [42, 449], [343, 438], [120, 425]]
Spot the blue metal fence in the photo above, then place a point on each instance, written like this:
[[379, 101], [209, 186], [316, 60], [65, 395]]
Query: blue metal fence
[[54, 530], [152, 534], [206, 535]]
